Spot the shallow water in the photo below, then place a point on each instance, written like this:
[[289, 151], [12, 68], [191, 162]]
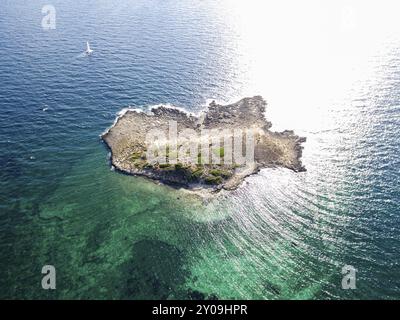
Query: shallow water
[[281, 234]]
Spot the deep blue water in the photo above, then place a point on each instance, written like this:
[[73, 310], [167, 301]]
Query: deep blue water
[[281, 235]]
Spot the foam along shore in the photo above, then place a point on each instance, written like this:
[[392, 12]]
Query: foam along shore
[[129, 145]]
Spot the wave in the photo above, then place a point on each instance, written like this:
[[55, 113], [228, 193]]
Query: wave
[[148, 110]]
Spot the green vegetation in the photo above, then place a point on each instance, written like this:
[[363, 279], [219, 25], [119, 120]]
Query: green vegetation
[[220, 173], [213, 180], [219, 152], [199, 158], [136, 155], [139, 163], [197, 173], [165, 166], [138, 159], [170, 153], [178, 166]]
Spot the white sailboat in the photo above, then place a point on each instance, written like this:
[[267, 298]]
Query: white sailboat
[[88, 50]]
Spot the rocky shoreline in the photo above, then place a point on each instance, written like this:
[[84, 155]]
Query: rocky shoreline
[[129, 144]]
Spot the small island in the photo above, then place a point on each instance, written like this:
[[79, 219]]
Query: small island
[[194, 166]]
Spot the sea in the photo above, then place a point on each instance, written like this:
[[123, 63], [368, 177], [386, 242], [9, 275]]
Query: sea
[[328, 70]]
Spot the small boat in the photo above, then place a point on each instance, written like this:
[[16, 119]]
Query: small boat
[[88, 50]]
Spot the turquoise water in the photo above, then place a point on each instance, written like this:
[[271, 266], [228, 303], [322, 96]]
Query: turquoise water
[[281, 235]]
